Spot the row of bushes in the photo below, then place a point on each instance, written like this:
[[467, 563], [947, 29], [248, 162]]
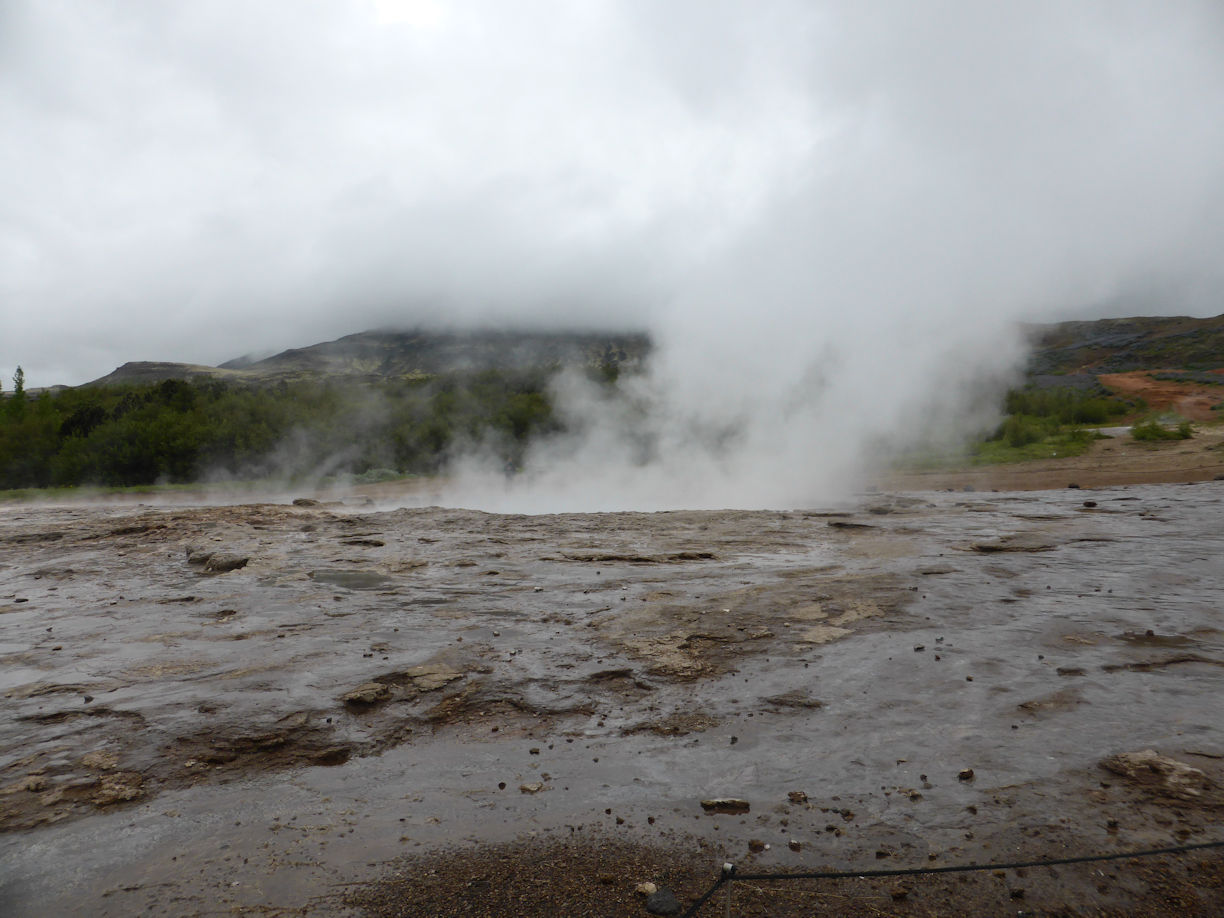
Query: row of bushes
[[1154, 430], [1045, 415], [177, 431], [1066, 406], [1036, 414]]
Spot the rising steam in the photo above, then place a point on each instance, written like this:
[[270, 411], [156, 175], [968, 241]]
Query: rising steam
[[978, 167]]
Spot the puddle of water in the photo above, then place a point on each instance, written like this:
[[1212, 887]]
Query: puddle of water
[[352, 580]]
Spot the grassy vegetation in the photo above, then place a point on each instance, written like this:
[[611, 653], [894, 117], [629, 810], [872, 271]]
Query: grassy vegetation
[[1073, 442], [1044, 423], [179, 434]]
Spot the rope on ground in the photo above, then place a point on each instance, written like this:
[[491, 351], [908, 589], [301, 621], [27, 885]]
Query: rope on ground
[[729, 874]]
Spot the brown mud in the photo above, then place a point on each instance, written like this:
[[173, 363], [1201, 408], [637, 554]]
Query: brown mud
[[257, 709]]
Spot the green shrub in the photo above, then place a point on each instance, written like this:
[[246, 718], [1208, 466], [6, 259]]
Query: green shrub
[[1066, 406], [1153, 430], [1021, 430]]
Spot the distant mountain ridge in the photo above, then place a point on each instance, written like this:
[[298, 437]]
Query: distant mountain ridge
[[388, 354], [1064, 349]]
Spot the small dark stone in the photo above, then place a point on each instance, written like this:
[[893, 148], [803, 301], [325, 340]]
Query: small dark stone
[[1074, 486], [731, 806], [1090, 504], [663, 902], [88, 699], [965, 774]]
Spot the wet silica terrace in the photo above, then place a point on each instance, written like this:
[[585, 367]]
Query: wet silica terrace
[[242, 705]]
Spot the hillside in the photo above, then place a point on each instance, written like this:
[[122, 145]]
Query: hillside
[[1126, 345], [141, 372], [1076, 352], [407, 354], [403, 355]]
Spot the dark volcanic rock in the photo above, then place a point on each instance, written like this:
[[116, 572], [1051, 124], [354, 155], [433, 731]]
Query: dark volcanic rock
[[663, 902]]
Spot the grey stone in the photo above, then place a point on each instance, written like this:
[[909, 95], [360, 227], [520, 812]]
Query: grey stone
[[663, 902]]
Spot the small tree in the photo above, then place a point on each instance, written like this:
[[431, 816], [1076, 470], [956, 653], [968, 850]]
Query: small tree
[[16, 404]]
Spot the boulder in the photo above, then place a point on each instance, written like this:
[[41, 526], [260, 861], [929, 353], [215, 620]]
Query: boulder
[[663, 902], [431, 676], [1160, 774], [367, 693], [222, 563]]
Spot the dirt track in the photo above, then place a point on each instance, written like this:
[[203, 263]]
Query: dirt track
[[377, 683]]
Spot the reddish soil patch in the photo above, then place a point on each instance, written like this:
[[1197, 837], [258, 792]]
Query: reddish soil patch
[[1191, 400]]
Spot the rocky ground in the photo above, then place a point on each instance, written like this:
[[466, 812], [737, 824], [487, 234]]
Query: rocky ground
[[343, 709]]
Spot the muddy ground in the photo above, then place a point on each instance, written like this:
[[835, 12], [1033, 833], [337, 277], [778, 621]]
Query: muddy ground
[[260, 709]]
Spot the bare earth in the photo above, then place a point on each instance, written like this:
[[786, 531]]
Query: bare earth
[[1120, 460], [424, 711]]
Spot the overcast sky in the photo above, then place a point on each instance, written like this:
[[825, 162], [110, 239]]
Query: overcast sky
[[196, 181]]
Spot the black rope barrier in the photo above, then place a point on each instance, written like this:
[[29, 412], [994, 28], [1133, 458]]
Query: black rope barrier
[[730, 875]]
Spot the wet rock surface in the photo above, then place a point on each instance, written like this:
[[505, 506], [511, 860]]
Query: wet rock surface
[[371, 684]]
